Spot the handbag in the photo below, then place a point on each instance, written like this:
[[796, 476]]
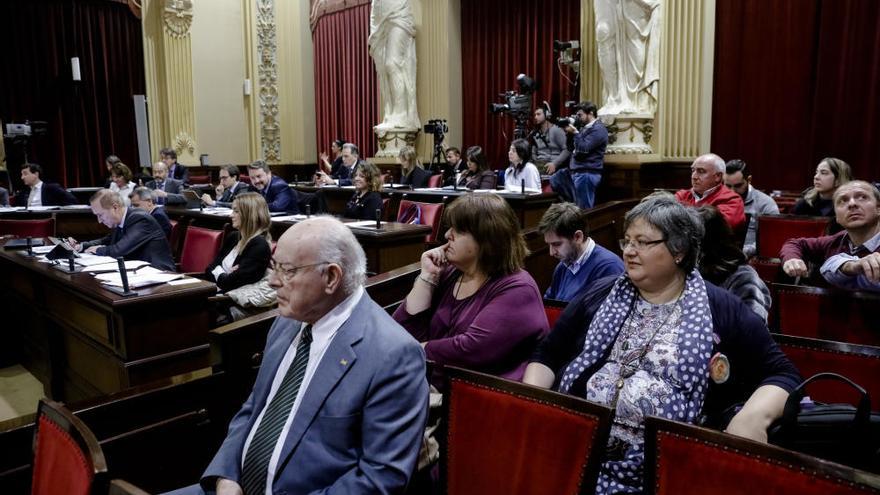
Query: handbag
[[842, 433]]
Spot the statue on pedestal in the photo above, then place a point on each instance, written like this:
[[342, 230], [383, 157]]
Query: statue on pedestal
[[628, 39], [393, 48]]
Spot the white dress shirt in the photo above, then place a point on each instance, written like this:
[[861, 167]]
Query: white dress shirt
[[323, 332], [35, 198]]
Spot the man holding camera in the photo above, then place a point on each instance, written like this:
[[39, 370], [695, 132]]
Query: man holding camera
[[549, 150], [588, 156]]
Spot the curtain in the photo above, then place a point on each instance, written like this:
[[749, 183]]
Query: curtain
[[346, 91], [501, 39], [795, 81], [86, 120]]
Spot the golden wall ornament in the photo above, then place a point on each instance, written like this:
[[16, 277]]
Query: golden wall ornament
[[177, 17], [270, 129], [184, 142]]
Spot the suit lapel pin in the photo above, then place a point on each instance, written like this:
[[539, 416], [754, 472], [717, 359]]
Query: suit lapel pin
[[343, 362]]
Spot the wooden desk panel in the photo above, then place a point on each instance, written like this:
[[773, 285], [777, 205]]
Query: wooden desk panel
[[82, 341], [81, 224]]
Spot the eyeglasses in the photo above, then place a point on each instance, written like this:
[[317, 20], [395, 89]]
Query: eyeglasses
[[637, 244], [287, 274]]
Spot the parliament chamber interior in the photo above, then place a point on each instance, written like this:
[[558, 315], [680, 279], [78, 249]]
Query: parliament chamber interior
[[440, 246]]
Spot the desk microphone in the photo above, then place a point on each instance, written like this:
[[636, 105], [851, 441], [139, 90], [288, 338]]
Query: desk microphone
[[378, 218], [70, 263], [126, 290], [308, 211], [522, 185], [30, 248]]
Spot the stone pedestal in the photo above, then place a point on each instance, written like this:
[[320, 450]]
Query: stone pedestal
[[392, 140], [629, 134]]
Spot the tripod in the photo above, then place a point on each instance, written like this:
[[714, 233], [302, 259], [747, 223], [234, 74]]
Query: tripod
[[439, 157]]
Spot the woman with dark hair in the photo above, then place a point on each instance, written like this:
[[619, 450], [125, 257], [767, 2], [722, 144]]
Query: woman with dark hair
[[831, 173], [521, 169], [724, 264], [478, 175], [109, 162], [412, 173], [336, 149], [660, 341], [473, 305], [120, 182], [366, 199]]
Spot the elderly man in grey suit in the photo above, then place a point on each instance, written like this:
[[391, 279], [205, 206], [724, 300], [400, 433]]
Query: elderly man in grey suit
[[340, 401], [166, 189]]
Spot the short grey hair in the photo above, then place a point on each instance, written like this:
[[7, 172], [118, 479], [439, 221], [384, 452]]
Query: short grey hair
[[352, 148], [337, 244], [681, 227], [713, 159], [143, 194]]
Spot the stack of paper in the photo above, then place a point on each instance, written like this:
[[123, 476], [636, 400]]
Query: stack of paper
[[136, 280], [132, 265]]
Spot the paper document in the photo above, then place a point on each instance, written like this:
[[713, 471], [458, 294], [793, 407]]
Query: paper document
[[42, 208], [9, 209], [76, 207], [219, 211], [136, 280], [290, 218], [42, 249], [364, 224], [114, 266], [86, 259]]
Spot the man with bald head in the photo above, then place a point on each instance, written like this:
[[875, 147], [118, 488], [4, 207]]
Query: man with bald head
[[707, 188], [851, 257], [340, 402], [166, 190]]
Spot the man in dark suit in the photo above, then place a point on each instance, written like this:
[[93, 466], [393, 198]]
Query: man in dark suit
[[142, 198], [39, 193], [134, 235], [167, 190], [340, 401], [343, 176], [229, 188], [279, 196], [176, 171]]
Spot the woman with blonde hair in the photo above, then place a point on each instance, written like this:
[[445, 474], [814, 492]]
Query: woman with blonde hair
[[831, 173], [246, 252], [412, 173]]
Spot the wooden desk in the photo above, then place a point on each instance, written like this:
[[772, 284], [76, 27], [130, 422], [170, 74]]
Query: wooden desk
[[529, 208], [80, 223], [392, 246], [83, 341]]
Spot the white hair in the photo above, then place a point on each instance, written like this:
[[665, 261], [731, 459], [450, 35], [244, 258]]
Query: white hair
[[335, 243], [714, 160]]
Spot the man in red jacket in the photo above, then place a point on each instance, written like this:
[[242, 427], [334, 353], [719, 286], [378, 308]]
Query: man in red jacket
[[707, 188]]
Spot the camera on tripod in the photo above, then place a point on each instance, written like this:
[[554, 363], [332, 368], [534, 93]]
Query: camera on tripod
[[437, 127], [572, 119], [517, 105]]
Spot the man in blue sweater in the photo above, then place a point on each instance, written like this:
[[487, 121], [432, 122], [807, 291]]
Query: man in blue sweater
[[581, 260], [588, 157]]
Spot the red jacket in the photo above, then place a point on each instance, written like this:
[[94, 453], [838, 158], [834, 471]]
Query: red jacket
[[729, 204]]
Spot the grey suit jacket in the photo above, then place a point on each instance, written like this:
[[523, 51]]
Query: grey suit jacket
[[173, 187], [360, 424]]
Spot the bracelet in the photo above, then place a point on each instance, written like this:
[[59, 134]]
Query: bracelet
[[423, 279]]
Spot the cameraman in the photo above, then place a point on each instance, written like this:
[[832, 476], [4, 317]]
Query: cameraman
[[548, 144], [588, 156]]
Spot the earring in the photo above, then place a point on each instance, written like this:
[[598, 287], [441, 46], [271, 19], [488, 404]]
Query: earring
[[677, 261]]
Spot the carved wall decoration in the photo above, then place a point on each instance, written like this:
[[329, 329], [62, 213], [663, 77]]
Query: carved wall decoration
[[177, 17], [184, 142], [270, 129]]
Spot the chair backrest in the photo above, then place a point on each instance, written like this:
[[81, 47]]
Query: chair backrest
[[435, 180], [200, 247], [682, 459], [859, 363], [244, 177], [428, 214], [768, 268], [44, 227], [199, 179], [828, 314], [67, 456], [554, 308], [507, 438], [774, 230]]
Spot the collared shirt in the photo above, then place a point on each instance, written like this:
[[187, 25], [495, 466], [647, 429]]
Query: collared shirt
[[706, 193], [575, 266], [36, 196], [831, 268], [323, 332], [124, 214]]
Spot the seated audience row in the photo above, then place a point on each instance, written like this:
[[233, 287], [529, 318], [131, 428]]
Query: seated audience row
[[738, 177], [39, 193]]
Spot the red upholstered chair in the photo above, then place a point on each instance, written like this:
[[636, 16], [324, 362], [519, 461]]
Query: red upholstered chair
[[200, 246], [682, 459], [829, 314], [774, 230], [28, 228], [435, 180], [244, 178], [769, 269], [859, 363], [428, 214], [199, 179], [67, 457], [554, 309], [507, 438]]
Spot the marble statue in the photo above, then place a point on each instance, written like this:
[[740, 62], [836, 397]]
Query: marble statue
[[393, 48], [628, 39]]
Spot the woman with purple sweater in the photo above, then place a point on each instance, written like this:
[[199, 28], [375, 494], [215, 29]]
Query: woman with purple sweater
[[473, 305]]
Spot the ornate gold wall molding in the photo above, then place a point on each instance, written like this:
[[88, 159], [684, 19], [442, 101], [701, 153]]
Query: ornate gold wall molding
[[267, 70], [178, 16]]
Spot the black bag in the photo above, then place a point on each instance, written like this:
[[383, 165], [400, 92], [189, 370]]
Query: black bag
[[836, 432]]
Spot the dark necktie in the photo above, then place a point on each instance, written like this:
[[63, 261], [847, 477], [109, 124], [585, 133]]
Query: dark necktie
[[256, 460]]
